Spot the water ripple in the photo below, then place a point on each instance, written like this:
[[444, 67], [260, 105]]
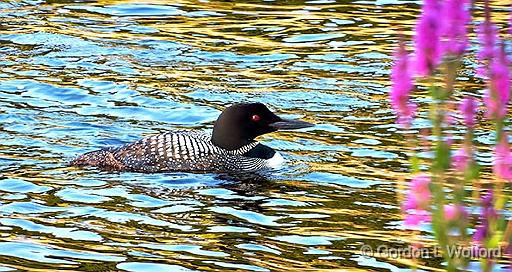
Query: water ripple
[[250, 216], [149, 267], [71, 233], [50, 254], [21, 186], [76, 77]]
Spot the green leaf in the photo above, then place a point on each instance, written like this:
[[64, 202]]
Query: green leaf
[[438, 93], [472, 172], [415, 164], [495, 240], [435, 92], [442, 157]]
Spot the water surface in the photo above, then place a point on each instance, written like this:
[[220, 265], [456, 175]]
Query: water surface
[[78, 76]]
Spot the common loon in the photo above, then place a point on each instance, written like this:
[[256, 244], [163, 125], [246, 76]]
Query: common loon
[[230, 148]]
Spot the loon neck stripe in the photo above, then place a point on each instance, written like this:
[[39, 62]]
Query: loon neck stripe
[[244, 149]]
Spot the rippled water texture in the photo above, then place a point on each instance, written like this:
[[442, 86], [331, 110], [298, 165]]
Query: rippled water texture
[[75, 77]]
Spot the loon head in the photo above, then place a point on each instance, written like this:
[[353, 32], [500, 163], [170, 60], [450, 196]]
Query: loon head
[[239, 124]]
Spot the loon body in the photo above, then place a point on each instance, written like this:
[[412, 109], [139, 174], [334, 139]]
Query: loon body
[[230, 148]]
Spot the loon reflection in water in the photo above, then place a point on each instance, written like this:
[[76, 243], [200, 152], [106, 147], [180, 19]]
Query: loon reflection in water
[[230, 148]]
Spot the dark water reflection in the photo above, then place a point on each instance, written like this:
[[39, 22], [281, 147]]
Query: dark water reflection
[[79, 76]]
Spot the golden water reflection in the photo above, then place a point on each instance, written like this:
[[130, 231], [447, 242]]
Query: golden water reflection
[[80, 76]]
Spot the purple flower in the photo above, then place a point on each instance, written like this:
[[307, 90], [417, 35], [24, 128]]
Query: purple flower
[[468, 109], [419, 194], [420, 189], [416, 203], [497, 95], [510, 32], [460, 160], [449, 119], [480, 233], [414, 218], [508, 252], [450, 212], [502, 167], [488, 39], [401, 88], [454, 212], [410, 203], [454, 16], [427, 41], [488, 213]]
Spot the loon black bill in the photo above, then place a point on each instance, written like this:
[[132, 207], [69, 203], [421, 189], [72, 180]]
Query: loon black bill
[[286, 124]]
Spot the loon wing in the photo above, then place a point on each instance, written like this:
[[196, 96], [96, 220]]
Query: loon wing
[[174, 150]]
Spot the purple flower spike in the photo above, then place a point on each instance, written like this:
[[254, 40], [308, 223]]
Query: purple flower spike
[[460, 160], [402, 86], [488, 36], [427, 39], [498, 95], [417, 201], [510, 28], [420, 183], [503, 159], [455, 16], [416, 217], [468, 109], [510, 32], [488, 213], [454, 212], [488, 39], [410, 203], [480, 233], [486, 198]]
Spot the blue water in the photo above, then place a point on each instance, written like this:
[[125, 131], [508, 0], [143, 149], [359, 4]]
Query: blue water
[[75, 77]]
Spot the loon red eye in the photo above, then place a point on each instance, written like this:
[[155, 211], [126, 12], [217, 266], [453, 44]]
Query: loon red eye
[[256, 118]]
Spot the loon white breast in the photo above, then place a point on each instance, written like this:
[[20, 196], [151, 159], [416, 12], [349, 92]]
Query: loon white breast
[[230, 148]]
